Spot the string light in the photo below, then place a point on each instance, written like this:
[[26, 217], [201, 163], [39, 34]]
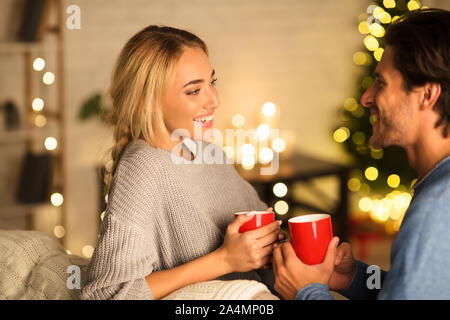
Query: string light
[[393, 181], [37, 104], [88, 251], [279, 145], [40, 121], [269, 109], [238, 120], [281, 207], [389, 4], [351, 104], [265, 155], [359, 138], [50, 143], [59, 231], [263, 131], [413, 5], [371, 173], [378, 54], [48, 78], [280, 189], [38, 64], [377, 30], [341, 134], [371, 43], [248, 162], [56, 199], [354, 184], [365, 204], [248, 149], [363, 27]]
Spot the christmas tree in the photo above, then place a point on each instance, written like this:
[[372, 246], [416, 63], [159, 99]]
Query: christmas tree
[[382, 178]]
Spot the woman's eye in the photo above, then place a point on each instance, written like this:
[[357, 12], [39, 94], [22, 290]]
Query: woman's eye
[[193, 92], [213, 83]]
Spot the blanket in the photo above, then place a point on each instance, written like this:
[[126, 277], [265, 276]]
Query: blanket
[[35, 266]]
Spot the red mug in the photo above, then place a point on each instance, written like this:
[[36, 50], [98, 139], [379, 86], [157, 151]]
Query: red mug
[[310, 236], [259, 219]]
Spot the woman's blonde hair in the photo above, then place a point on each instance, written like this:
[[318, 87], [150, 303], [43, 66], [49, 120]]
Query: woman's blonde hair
[[142, 75]]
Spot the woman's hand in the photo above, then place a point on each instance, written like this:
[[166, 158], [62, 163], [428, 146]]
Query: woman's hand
[[249, 250]]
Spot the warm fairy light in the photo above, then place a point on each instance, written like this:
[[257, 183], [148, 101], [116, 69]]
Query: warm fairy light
[[377, 12], [40, 121], [377, 30], [365, 204], [238, 120], [280, 189], [393, 181], [48, 78], [59, 231], [359, 138], [281, 207], [378, 54], [363, 27], [389, 4], [371, 43], [229, 151], [50, 143], [68, 252], [88, 251], [248, 149], [385, 18], [354, 184], [376, 154], [379, 212], [364, 189], [265, 155], [248, 162], [263, 131], [350, 104], [269, 109], [39, 64], [413, 5], [362, 58], [56, 199], [371, 173], [279, 145], [341, 134], [102, 215], [106, 199], [37, 104]]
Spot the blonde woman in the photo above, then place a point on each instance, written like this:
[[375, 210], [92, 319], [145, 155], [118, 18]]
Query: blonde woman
[[169, 225]]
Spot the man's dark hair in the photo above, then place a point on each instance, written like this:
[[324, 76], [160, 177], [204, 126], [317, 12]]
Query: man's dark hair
[[421, 43]]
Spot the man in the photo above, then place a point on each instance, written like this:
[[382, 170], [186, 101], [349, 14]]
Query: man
[[410, 99]]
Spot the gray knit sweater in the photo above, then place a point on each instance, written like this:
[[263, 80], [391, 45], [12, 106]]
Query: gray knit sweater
[[161, 215]]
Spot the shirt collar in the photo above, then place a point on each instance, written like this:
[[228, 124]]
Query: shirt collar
[[421, 180]]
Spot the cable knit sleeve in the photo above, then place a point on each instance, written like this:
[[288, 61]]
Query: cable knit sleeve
[[126, 250]]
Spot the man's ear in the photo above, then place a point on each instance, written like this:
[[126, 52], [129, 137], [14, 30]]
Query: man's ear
[[431, 94]]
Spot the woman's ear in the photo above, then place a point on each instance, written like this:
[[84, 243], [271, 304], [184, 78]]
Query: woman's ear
[[431, 94]]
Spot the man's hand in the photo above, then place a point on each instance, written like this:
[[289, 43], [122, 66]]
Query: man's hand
[[291, 274], [344, 268]]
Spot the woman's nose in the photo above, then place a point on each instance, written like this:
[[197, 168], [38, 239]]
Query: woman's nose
[[213, 101]]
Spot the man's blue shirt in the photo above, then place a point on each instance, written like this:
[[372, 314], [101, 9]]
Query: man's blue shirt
[[420, 255]]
